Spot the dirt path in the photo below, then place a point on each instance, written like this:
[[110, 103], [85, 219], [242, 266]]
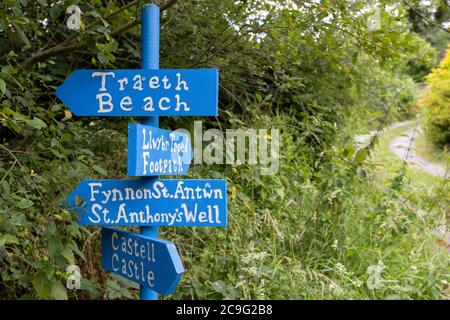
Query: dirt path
[[403, 147]]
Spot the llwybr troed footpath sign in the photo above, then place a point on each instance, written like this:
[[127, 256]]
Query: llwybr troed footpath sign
[[153, 151]]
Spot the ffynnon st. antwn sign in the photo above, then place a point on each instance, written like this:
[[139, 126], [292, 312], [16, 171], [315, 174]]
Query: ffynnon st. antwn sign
[[155, 202]]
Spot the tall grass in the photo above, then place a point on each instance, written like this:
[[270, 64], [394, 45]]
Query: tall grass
[[325, 229]]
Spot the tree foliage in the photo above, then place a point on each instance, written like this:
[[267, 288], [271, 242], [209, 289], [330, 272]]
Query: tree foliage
[[431, 20], [436, 103]]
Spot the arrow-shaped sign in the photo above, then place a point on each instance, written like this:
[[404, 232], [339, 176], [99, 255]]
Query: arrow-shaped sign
[[151, 202], [165, 92], [153, 151], [153, 263]]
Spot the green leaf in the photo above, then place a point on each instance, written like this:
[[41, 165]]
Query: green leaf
[[77, 251], [348, 151], [55, 143], [24, 203], [68, 254], [360, 155], [2, 86], [88, 152], [100, 170], [43, 3], [21, 20], [6, 188], [67, 115], [219, 286], [111, 46], [66, 137], [78, 200], [87, 285], [3, 25], [42, 285], [22, 35], [57, 154], [58, 291], [55, 11], [103, 58], [37, 123], [8, 238]]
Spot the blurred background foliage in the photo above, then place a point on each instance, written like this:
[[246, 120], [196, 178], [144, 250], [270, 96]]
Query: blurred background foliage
[[319, 71], [436, 101]]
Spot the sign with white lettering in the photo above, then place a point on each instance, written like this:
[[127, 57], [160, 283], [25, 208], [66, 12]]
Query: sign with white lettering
[[155, 202], [150, 262], [165, 92], [149, 92], [153, 151]]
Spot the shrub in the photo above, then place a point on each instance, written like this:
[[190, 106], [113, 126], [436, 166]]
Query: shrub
[[436, 103]]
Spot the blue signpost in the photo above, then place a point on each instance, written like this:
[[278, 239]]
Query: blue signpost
[[149, 202], [153, 151]]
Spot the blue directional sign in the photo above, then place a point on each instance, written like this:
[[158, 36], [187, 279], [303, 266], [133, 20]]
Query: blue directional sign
[[151, 202], [153, 263], [165, 92], [153, 151], [148, 92]]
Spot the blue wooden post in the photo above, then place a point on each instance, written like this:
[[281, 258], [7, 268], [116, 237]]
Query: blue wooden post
[[149, 60]]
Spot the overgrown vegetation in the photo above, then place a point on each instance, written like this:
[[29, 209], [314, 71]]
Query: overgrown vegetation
[[430, 21], [435, 102], [325, 226]]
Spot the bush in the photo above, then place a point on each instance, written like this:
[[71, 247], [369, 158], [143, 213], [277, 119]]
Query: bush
[[426, 58], [436, 103]]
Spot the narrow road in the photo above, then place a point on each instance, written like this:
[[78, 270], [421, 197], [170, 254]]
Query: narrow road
[[403, 146]]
